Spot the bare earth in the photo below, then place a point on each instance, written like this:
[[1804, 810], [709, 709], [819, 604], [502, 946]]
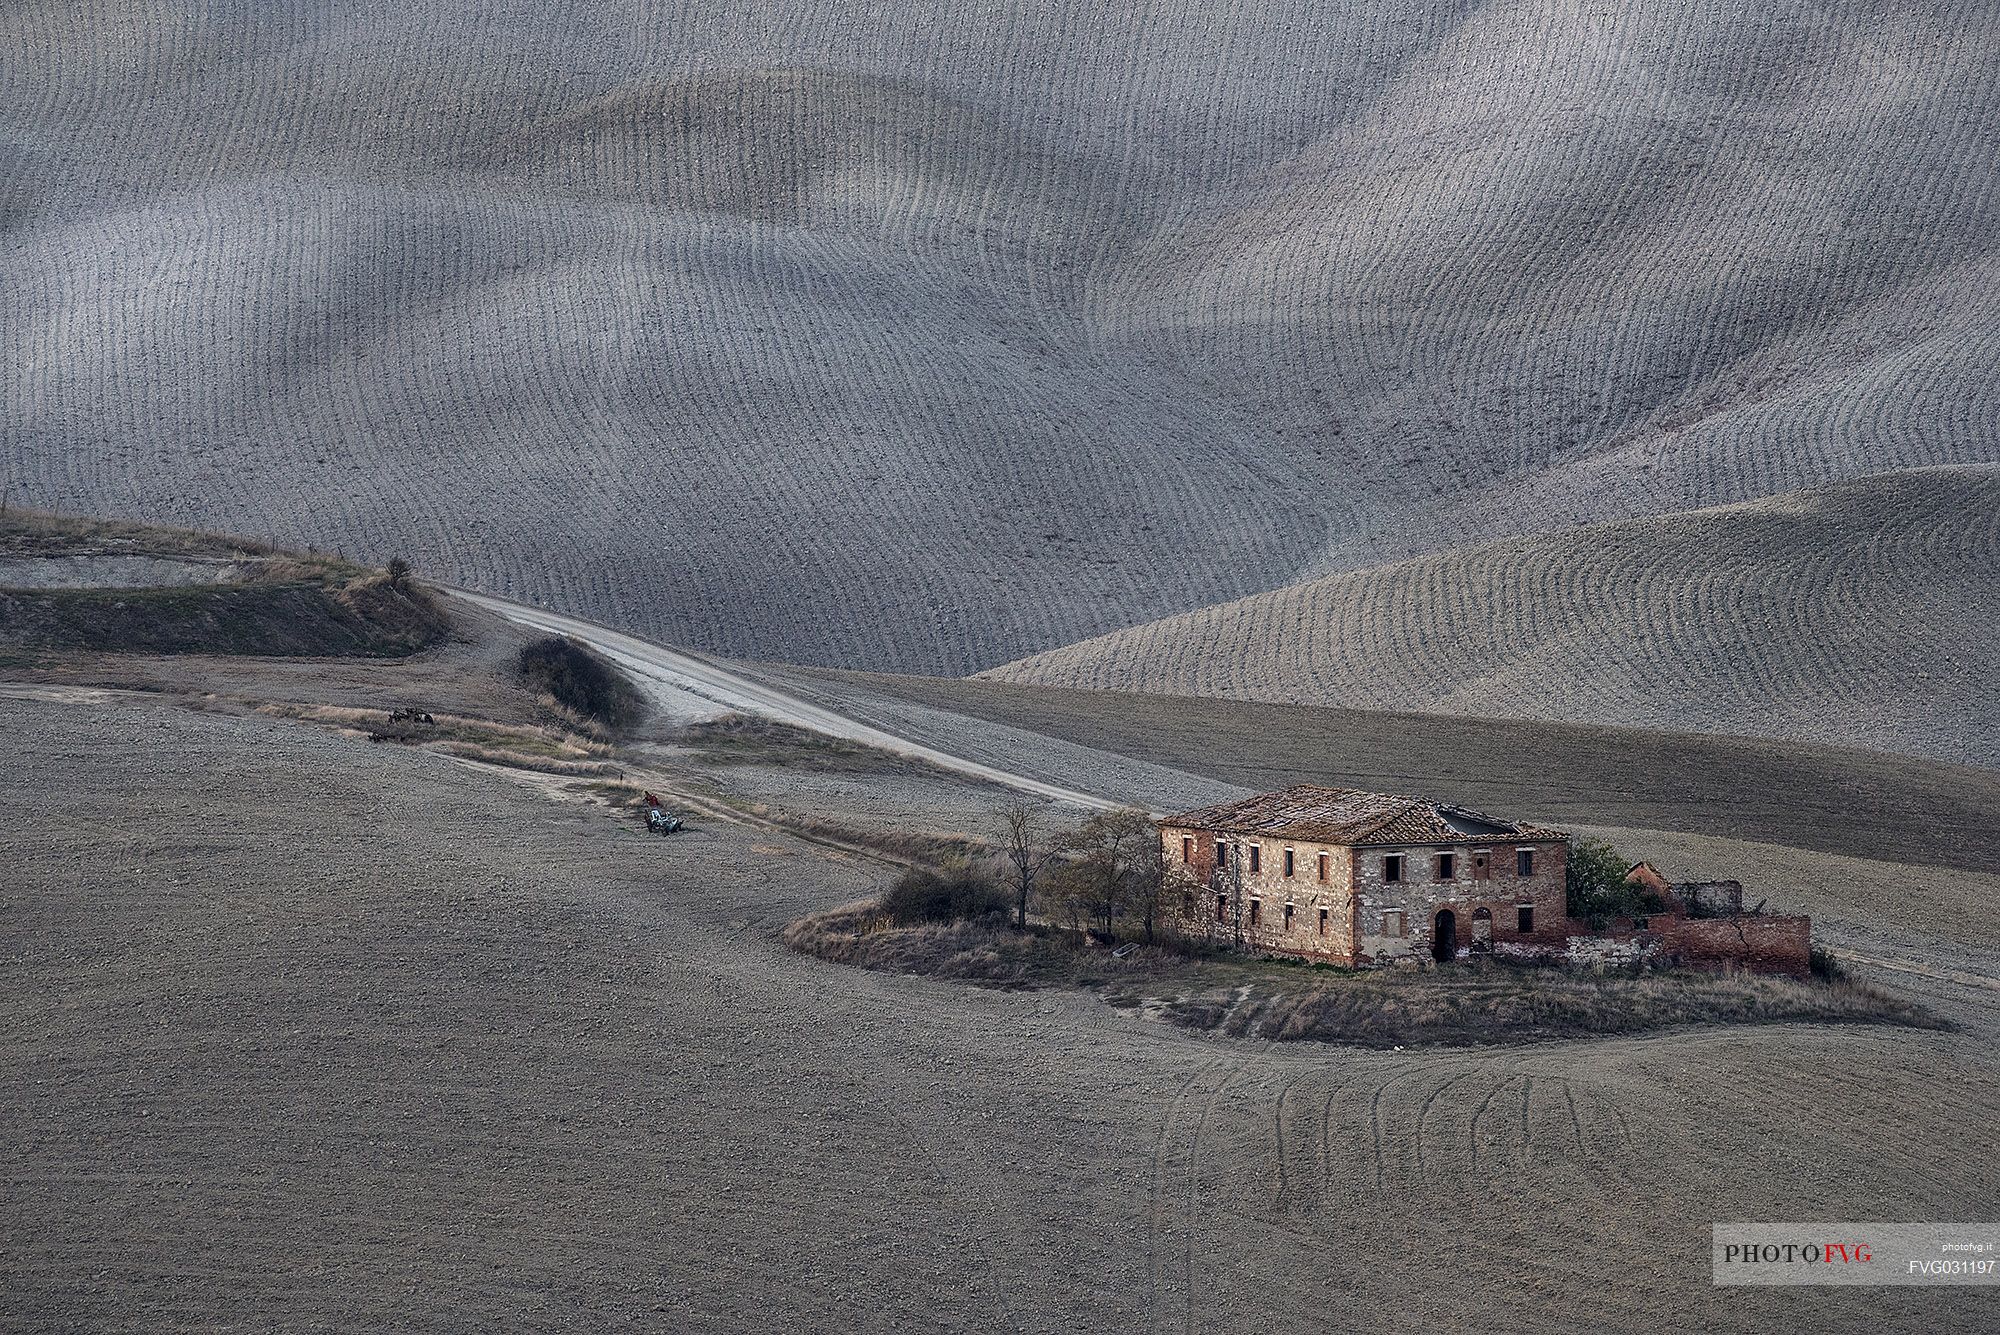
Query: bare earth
[[928, 337], [1865, 614], [313, 1034]]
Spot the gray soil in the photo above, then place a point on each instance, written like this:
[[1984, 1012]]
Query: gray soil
[[305, 1033], [1865, 614], [1837, 800], [931, 339], [112, 571]]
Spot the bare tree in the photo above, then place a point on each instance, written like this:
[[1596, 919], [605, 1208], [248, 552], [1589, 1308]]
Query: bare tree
[[1152, 888], [1176, 897], [1106, 867], [1027, 850]]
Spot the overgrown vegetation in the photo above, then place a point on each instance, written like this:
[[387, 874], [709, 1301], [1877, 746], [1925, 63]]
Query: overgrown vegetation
[[956, 892], [581, 684], [1107, 873], [1595, 888], [1487, 1003], [320, 616]]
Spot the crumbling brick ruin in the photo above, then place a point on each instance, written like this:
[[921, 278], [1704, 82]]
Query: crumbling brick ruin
[[1356, 878]]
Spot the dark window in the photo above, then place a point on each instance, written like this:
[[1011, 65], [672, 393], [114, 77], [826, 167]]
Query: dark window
[[1187, 903], [1322, 922], [1524, 862], [1256, 858], [1447, 867], [1392, 868], [1222, 908], [1527, 917], [1221, 854], [1187, 848], [1288, 862], [1288, 917], [1323, 861], [1256, 911]]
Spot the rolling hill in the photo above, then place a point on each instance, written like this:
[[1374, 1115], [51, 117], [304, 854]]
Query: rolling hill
[[1865, 613], [929, 338]]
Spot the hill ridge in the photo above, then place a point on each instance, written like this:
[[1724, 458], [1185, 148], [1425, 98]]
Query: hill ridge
[[1864, 613]]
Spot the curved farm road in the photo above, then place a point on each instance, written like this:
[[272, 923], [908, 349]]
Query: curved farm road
[[687, 686]]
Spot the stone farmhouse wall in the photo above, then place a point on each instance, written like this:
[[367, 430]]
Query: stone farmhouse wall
[[1612, 946], [1399, 919], [1761, 942], [1307, 905], [1338, 904], [1302, 908]]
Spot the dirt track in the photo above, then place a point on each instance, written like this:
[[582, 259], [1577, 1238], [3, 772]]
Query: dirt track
[[311, 1034], [684, 685]]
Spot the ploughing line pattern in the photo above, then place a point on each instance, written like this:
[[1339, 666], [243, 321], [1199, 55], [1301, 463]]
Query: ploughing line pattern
[[928, 338], [1864, 613]]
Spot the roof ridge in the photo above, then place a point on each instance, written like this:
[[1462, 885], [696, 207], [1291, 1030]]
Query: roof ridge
[[1390, 817]]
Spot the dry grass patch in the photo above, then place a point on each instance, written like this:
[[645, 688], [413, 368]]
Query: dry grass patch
[[743, 739], [1486, 1003], [520, 746], [903, 846], [46, 533], [262, 602]]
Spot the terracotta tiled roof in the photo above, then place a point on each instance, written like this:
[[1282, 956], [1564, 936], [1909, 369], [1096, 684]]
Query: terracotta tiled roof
[[1350, 816]]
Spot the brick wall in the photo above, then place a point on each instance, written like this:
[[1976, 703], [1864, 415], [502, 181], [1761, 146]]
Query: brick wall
[[1765, 942]]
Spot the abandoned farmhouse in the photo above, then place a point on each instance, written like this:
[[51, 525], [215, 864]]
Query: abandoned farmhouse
[[1355, 878]]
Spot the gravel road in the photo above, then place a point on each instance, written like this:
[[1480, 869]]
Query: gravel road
[[688, 687]]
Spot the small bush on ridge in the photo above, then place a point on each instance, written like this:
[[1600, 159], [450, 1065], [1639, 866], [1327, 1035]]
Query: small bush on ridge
[[956, 891]]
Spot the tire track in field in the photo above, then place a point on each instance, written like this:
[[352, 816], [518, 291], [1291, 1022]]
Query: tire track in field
[[1165, 1150], [1191, 1212], [1424, 1111], [1479, 1112]]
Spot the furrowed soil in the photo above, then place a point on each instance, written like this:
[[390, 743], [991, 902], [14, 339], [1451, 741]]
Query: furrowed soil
[[1865, 614], [309, 1033], [1863, 804], [931, 339]]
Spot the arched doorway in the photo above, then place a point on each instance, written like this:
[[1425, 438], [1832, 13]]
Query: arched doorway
[[1444, 936], [1482, 930]]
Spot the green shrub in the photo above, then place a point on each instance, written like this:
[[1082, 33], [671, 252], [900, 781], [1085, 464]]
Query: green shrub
[[1595, 888]]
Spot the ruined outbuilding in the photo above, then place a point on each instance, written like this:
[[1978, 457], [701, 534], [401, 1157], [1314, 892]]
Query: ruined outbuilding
[[1356, 878], [1701, 923]]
